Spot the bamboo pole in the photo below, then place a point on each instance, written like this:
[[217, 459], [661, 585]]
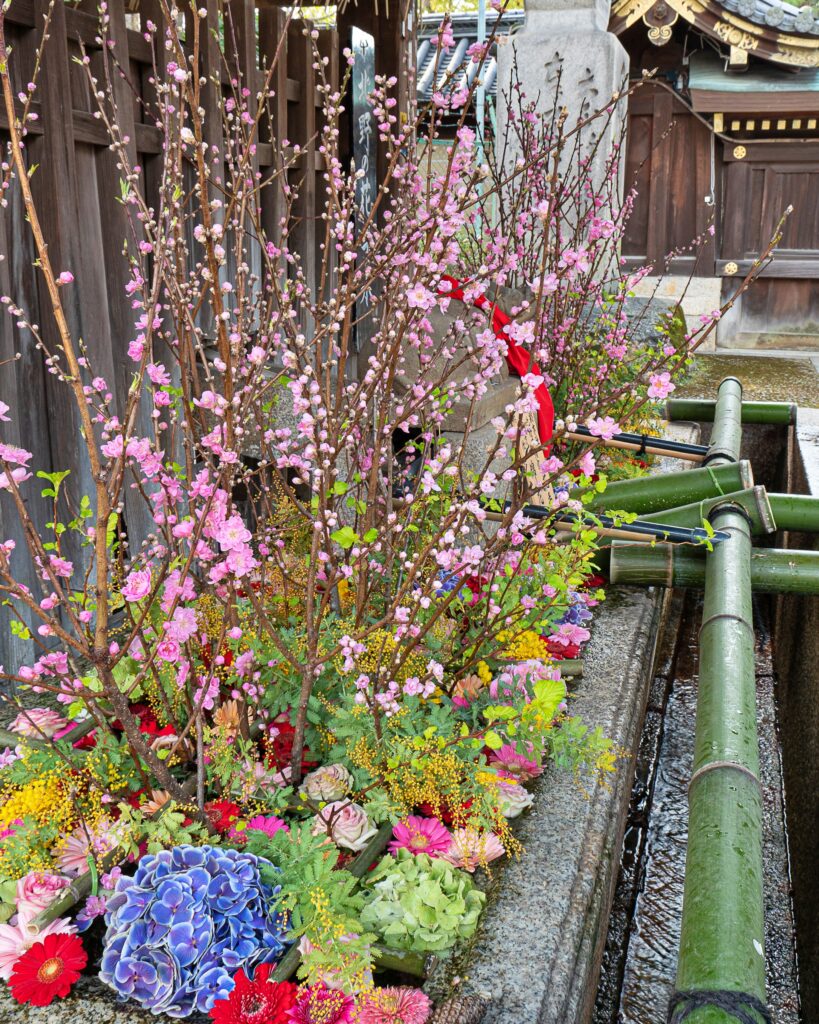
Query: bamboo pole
[[644, 444], [607, 526], [754, 502], [726, 436], [648, 494], [701, 410], [773, 571], [722, 937], [795, 512]]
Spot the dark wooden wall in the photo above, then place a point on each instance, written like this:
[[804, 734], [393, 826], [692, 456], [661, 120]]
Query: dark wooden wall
[[781, 308], [76, 184], [668, 161]]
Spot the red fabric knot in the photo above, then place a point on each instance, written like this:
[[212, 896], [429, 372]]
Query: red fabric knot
[[519, 361]]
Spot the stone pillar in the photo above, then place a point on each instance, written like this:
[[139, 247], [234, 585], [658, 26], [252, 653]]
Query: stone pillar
[[566, 44]]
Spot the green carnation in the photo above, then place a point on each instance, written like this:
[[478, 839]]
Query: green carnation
[[419, 903]]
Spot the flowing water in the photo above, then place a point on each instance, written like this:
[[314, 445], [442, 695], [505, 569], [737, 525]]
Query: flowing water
[[639, 964]]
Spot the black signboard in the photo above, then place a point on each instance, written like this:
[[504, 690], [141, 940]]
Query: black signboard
[[365, 156]]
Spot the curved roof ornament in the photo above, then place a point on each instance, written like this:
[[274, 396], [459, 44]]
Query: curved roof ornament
[[771, 29]]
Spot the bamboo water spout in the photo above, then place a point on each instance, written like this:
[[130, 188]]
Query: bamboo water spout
[[755, 502], [649, 494], [701, 410], [726, 436]]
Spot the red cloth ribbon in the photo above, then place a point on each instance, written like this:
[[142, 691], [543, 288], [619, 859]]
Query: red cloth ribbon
[[518, 360]]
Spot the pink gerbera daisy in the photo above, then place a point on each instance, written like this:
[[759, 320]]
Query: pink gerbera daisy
[[321, 1005], [513, 763], [269, 824], [421, 835], [400, 1005]]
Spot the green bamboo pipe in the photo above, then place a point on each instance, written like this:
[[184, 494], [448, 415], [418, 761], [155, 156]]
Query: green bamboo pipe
[[773, 571], [722, 935], [647, 494], [726, 435], [754, 501], [701, 410], [795, 512]]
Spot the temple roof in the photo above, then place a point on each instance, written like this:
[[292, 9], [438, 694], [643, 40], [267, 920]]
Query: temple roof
[[465, 31], [776, 14]]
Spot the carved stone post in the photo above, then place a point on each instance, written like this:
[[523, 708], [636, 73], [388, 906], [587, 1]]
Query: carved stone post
[[565, 48]]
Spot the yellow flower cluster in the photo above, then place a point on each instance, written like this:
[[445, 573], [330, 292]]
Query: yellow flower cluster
[[524, 646], [46, 799], [484, 673], [381, 655]]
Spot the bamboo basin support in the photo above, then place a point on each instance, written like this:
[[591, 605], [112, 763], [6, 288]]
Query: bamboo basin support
[[773, 571], [795, 512], [723, 936], [726, 436]]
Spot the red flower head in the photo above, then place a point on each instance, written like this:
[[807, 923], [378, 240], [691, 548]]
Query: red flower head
[[279, 748], [48, 969], [259, 1001], [447, 812], [561, 651], [222, 814]]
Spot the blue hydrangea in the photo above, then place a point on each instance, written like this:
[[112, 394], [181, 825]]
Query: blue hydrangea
[[578, 611], [185, 923]]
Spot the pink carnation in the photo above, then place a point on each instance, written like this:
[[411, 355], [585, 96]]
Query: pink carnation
[[321, 1005], [38, 890], [421, 835], [38, 722], [471, 849]]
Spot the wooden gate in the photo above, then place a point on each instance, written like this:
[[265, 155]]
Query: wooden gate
[[761, 179], [77, 184]]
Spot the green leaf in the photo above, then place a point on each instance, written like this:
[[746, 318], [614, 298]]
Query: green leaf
[[345, 537], [370, 536], [493, 740], [549, 693]]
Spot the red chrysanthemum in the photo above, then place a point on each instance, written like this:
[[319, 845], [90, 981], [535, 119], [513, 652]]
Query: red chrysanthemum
[[259, 1001], [279, 748], [448, 813], [562, 651], [222, 814], [48, 970]]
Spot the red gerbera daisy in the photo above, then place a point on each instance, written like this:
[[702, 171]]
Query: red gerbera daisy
[[222, 814], [48, 970], [259, 1001]]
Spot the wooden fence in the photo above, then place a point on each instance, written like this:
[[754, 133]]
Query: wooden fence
[[76, 183]]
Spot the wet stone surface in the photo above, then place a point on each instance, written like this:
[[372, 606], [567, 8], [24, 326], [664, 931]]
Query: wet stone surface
[[639, 963], [764, 378]]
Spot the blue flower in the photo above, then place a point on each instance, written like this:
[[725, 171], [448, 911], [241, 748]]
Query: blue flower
[[185, 923]]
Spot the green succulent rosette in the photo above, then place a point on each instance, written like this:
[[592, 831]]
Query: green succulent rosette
[[419, 903]]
